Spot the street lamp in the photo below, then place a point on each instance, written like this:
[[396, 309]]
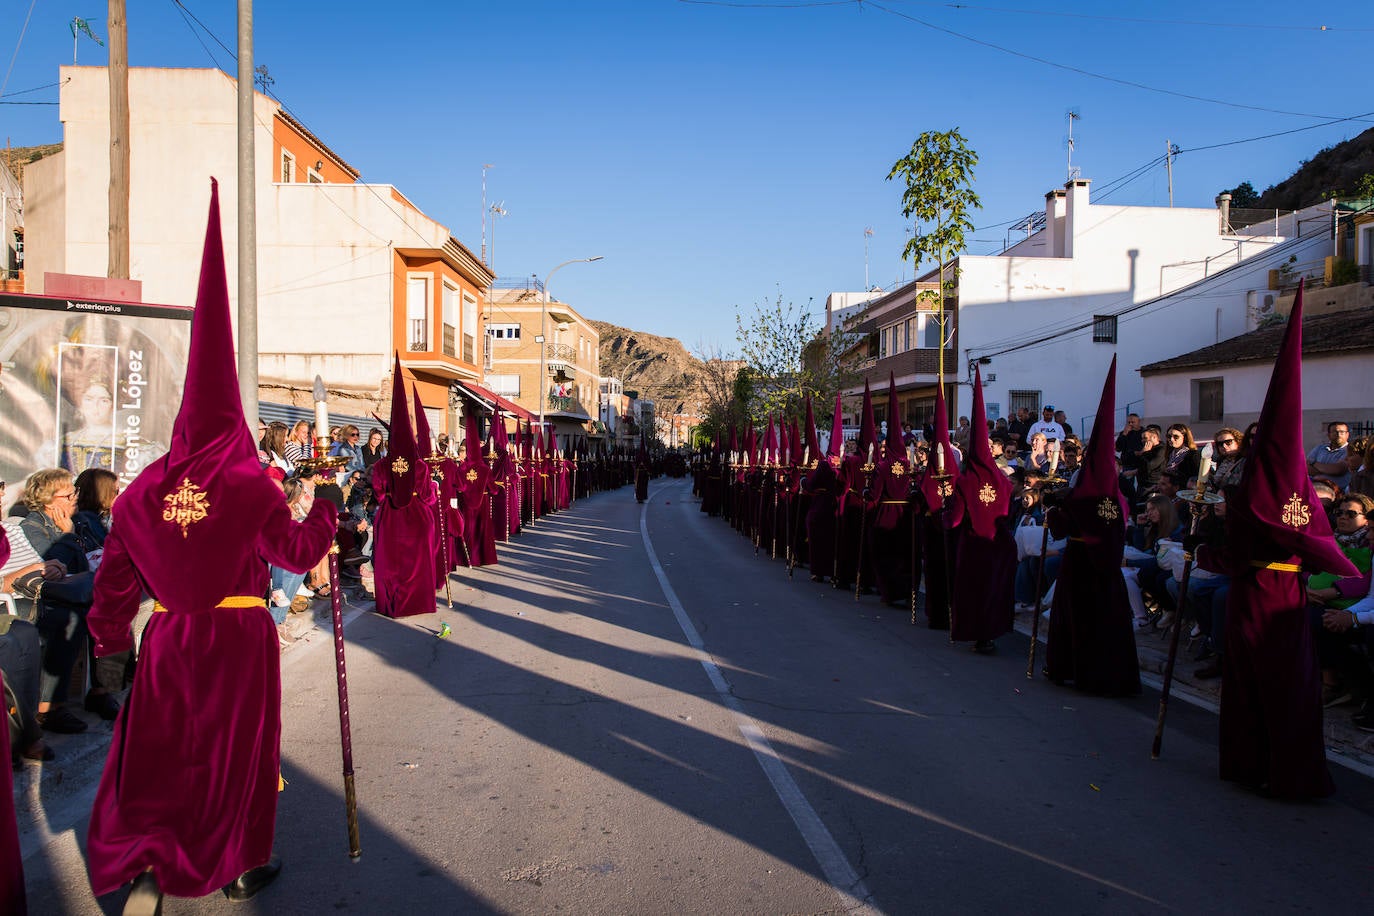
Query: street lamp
[[544, 331]]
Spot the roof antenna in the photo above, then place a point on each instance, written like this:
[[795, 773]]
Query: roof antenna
[[1072, 115]]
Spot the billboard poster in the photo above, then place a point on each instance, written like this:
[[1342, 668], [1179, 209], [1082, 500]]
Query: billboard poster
[[87, 384]]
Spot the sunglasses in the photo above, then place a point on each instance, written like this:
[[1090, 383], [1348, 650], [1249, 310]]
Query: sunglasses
[[1348, 513], [1226, 442]]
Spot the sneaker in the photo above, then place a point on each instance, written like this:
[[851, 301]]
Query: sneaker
[[1335, 695], [279, 598], [304, 592]]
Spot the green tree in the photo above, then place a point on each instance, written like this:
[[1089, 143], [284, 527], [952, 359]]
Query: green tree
[[938, 172], [788, 357], [1364, 189], [1243, 196]]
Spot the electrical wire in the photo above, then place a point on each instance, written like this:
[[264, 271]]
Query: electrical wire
[[1135, 20], [17, 45]]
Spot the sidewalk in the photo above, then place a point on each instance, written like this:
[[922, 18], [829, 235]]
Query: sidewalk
[[78, 755], [1346, 745]]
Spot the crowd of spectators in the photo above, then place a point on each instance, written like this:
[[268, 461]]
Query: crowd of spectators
[[1159, 468], [55, 532]]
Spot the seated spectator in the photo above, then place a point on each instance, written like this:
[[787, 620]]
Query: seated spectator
[[1038, 458], [1072, 454], [348, 446], [1329, 460], [1047, 425], [1063, 421], [1148, 464], [50, 495], [1346, 618], [1019, 429], [1181, 455], [1360, 461], [1326, 494], [21, 652], [1028, 509], [1158, 521], [272, 447], [373, 450], [1228, 459], [298, 443], [288, 588], [997, 442]]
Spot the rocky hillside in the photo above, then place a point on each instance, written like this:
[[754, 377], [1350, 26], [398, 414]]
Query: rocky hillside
[[659, 368], [1335, 169], [15, 158]]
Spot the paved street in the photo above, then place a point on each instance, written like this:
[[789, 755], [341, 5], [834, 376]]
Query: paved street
[[589, 741]]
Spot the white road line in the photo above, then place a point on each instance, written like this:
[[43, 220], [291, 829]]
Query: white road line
[[838, 872]]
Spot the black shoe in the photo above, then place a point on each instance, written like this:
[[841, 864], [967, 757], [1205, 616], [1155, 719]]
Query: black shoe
[[57, 719], [247, 885], [1208, 672], [145, 897], [103, 705], [1204, 651], [985, 647]]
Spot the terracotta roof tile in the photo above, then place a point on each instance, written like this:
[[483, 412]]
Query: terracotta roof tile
[[1336, 332]]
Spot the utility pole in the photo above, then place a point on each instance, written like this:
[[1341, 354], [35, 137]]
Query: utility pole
[[247, 222], [118, 73], [485, 166], [1169, 161]]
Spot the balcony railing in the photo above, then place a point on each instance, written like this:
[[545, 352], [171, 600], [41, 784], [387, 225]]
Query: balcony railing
[[567, 404], [561, 351], [419, 335], [449, 332]]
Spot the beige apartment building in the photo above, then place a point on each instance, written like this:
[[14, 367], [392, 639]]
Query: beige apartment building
[[558, 376]]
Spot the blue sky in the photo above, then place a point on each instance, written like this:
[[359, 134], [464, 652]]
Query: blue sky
[[720, 154]]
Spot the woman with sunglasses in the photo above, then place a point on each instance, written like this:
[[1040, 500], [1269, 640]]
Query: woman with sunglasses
[[1228, 459], [1332, 599], [1181, 456]]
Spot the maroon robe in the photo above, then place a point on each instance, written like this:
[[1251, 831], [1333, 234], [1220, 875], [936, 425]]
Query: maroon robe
[[1092, 631], [404, 544], [983, 591], [1271, 711], [189, 787], [479, 529]]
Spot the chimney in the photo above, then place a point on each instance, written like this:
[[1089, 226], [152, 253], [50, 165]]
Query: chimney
[[1054, 224], [1077, 209], [1224, 206]]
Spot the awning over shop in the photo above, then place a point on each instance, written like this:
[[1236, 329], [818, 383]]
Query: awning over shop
[[494, 402]]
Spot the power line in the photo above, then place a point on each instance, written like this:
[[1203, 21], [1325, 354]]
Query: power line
[[1136, 20]]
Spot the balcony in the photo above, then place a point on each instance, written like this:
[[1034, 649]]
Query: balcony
[[417, 335], [567, 404], [563, 352]]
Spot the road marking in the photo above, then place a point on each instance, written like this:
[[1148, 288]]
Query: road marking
[[838, 872]]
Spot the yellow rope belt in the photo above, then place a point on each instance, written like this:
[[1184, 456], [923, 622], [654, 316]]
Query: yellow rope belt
[[233, 601], [893, 502], [1277, 567]]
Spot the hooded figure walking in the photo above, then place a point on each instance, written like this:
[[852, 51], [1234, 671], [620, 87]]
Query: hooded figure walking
[[187, 801]]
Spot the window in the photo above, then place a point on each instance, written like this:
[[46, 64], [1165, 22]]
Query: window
[[288, 167], [1018, 399], [508, 386], [930, 331], [1208, 396], [1104, 329], [884, 336], [469, 329], [417, 313], [503, 331], [450, 319], [313, 177], [907, 339]]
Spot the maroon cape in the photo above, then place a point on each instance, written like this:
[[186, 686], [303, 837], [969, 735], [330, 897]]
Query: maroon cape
[[405, 546], [479, 528]]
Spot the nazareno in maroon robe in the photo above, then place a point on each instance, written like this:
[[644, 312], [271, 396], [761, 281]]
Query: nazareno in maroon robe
[[404, 544], [189, 788], [983, 592]]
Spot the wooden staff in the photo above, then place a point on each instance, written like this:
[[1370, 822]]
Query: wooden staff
[[345, 731], [1197, 500], [1039, 598], [443, 545], [915, 573]]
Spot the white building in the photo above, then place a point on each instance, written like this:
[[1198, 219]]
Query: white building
[[348, 272], [1045, 316]]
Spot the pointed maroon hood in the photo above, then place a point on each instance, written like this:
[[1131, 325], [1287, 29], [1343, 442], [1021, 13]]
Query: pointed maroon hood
[[929, 485], [984, 491], [211, 420], [1097, 475], [812, 440], [424, 441], [894, 449], [399, 466], [835, 449], [868, 429], [1276, 504]]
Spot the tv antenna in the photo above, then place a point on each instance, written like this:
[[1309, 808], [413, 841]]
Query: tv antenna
[[868, 234], [1073, 115], [497, 209]]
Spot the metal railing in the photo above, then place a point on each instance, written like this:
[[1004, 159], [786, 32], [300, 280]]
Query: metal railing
[[561, 351], [419, 335]]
